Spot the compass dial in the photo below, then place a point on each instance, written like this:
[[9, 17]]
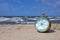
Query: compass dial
[[42, 25]]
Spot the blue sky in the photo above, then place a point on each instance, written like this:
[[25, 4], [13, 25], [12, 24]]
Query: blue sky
[[29, 7]]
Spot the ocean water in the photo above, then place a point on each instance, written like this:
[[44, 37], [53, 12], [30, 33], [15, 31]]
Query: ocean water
[[25, 19]]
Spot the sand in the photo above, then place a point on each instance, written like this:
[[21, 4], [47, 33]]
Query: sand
[[26, 32]]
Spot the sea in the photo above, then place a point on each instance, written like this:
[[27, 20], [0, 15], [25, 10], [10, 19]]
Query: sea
[[26, 19]]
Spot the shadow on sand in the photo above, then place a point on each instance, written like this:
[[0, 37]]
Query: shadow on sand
[[50, 31]]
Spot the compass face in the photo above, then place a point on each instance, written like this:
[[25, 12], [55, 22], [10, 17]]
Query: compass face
[[42, 25]]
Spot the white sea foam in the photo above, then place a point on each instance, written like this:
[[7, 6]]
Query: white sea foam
[[24, 19]]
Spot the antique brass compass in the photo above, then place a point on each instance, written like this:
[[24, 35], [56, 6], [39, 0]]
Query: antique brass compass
[[42, 24]]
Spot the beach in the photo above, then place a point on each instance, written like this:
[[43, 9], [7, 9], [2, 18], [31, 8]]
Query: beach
[[27, 32]]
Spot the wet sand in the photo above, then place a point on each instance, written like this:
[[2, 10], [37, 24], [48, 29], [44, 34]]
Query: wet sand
[[26, 32]]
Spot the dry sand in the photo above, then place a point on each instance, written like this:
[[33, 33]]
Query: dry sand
[[26, 32]]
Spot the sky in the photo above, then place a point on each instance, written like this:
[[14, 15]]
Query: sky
[[29, 7]]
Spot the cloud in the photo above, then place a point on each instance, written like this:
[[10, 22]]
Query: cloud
[[53, 3]]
